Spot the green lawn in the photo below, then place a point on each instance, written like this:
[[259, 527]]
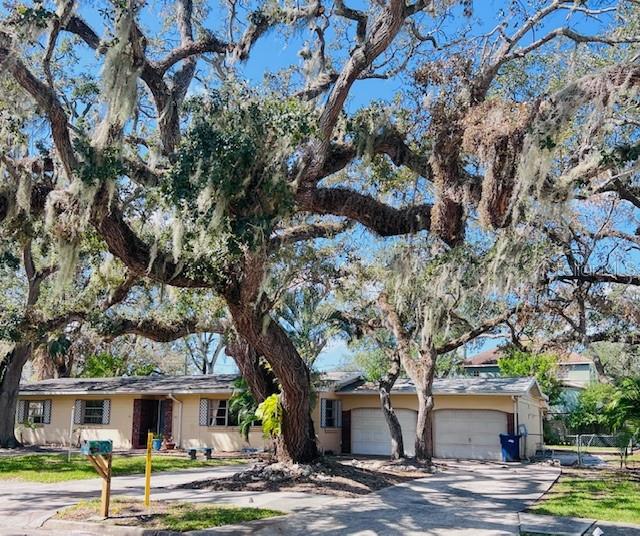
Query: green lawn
[[573, 448], [166, 515], [606, 496], [56, 468]]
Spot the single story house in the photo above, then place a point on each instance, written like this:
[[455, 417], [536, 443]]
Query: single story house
[[469, 413]]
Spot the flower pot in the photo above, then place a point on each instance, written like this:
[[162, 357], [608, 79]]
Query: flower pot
[[156, 444]]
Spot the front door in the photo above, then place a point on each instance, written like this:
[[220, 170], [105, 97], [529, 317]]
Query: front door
[[145, 419]]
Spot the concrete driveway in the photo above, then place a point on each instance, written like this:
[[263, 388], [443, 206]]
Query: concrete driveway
[[462, 498], [471, 499]]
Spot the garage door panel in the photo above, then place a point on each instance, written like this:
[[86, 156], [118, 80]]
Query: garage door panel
[[473, 434], [370, 433]]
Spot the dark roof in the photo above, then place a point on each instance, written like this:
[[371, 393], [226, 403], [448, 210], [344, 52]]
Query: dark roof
[[154, 384], [455, 386], [340, 382]]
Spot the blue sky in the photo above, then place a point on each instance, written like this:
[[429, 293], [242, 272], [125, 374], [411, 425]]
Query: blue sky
[[273, 53]]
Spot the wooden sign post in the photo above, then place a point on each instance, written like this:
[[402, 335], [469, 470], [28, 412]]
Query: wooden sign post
[[100, 456], [147, 471]]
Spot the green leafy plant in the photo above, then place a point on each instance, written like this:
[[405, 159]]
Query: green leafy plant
[[243, 405], [541, 366], [270, 413]]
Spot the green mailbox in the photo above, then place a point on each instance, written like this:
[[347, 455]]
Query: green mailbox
[[96, 448]]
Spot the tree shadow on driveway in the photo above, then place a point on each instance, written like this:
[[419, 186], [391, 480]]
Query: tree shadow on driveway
[[473, 500]]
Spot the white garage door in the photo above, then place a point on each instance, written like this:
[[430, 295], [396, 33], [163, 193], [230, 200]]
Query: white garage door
[[370, 433], [472, 434]]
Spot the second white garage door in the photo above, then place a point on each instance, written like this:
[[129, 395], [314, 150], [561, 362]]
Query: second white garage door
[[472, 434], [370, 433]]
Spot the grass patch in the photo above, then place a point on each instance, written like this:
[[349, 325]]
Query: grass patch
[[164, 515], [573, 448], [602, 495], [56, 468]]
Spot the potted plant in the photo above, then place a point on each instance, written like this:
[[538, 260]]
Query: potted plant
[[169, 443], [156, 444]]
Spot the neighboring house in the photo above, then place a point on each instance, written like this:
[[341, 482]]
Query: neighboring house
[[469, 413], [575, 373]]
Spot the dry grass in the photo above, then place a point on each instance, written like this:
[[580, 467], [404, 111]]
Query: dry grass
[[164, 515]]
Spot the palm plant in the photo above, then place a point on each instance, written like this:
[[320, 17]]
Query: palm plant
[[243, 406]]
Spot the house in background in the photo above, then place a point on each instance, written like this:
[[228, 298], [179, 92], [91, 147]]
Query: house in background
[[575, 373], [469, 413]]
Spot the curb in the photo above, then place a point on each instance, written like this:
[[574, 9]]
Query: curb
[[98, 527]]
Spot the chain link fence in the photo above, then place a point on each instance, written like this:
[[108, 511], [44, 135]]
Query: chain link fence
[[621, 445]]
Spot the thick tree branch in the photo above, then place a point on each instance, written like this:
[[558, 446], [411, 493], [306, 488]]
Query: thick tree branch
[[125, 244], [619, 279], [308, 231], [485, 326], [383, 31], [380, 218], [46, 98], [155, 330], [208, 44]]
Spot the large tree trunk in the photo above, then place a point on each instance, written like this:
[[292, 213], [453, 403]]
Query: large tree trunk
[[10, 373], [423, 380], [421, 371], [270, 340], [384, 388], [43, 366], [260, 380]]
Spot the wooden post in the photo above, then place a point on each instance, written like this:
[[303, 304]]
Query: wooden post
[[100, 455], [102, 464], [106, 487], [147, 472]]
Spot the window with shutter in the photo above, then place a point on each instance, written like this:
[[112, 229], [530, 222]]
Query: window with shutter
[[92, 412], [330, 413], [33, 411]]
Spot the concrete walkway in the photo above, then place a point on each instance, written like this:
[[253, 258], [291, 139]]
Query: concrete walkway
[[462, 499], [28, 505], [469, 499]]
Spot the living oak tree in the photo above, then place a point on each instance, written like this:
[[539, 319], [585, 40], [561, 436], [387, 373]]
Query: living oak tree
[[377, 357], [435, 305], [37, 311], [235, 170], [375, 353], [590, 295]]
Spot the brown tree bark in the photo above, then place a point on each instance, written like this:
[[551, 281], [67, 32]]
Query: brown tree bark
[[384, 388], [261, 381], [10, 373], [269, 339], [421, 371], [422, 377]]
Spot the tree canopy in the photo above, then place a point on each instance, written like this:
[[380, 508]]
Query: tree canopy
[[497, 178]]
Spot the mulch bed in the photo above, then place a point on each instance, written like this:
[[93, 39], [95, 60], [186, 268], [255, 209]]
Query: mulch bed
[[344, 478]]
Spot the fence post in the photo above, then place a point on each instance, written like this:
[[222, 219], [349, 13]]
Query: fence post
[[578, 442]]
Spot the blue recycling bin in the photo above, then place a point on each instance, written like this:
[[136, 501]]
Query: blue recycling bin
[[510, 445]]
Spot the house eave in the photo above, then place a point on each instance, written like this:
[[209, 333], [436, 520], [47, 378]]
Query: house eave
[[124, 393]]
